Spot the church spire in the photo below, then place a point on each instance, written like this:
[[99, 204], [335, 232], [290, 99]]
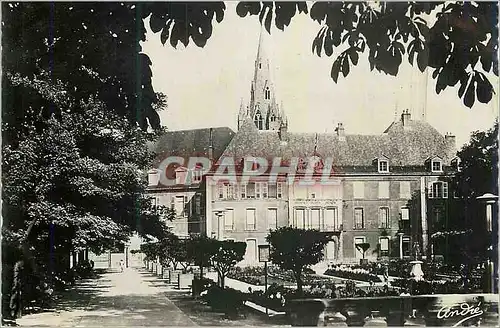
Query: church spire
[[263, 107]]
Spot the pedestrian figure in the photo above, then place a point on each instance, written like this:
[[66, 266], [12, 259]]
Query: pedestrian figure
[[386, 274], [121, 265]]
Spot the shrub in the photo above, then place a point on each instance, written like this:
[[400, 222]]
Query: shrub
[[228, 300]]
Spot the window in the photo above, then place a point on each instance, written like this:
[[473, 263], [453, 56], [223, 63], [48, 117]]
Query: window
[[455, 164], [243, 191], [220, 191], [272, 218], [261, 190], [264, 189], [357, 241], [250, 190], [179, 205], [405, 213], [299, 218], [258, 120], [404, 190], [250, 222], [384, 246], [331, 219], [260, 65], [383, 166], [251, 251], [230, 191], [279, 190], [406, 246], [437, 165], [315, 219], [229, 219], [383, 189], [359, 189], [438, 190], [359, 220], [312, 195], [197, 175], [272, 191], [383, 217], [268, 93]]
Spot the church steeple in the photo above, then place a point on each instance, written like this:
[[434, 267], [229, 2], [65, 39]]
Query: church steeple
[[263, 108]]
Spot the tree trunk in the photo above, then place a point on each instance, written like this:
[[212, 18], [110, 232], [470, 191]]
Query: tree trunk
[[298, 279]]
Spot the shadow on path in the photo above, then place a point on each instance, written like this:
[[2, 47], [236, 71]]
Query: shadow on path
[[131, 298]]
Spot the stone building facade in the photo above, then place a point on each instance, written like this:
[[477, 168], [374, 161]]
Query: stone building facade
[[381, 188]]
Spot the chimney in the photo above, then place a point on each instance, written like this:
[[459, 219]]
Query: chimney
[[283, 130], [340, 131], [406, 117], [153, 177], [211, 146], [450, 139]]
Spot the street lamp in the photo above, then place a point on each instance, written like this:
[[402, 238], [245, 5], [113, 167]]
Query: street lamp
[[489, 199], [264, 257], [219, 214]]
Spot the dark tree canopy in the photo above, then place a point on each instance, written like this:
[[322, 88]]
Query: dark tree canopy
[[295, 249], [459, 45]]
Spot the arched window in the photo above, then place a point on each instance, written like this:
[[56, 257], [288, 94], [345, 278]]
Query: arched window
[[258, 120], [273, 118], [260, 65], [268, 93]]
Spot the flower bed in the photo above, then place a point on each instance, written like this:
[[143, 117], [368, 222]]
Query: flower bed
[[426, 287], [352, 272]]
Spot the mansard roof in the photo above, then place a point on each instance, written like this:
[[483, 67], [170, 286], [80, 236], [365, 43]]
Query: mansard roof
[[408, 145], [192, 143]]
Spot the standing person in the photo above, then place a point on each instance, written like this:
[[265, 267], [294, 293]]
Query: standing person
[[121, 265]]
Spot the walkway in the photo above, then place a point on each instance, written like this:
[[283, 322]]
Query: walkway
[[131, 298]]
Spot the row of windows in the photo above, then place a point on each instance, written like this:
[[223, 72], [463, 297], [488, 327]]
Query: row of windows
[[183, 207], [438, 189], [384, 220], [436, 165], [251, 190], [250, 221], [384, 243], [324, 219]]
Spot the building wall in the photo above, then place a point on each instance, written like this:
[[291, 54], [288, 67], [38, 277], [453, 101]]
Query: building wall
[[187, 220]]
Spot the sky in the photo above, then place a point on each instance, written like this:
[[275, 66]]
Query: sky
[[205, 86]]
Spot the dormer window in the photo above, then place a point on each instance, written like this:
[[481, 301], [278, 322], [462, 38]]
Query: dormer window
[[383, 166], [436, 165], [196, 175]]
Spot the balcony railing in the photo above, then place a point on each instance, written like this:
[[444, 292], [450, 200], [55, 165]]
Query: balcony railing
[[422, 310]]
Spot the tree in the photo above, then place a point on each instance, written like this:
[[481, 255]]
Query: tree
[[198, 252], [478, 165], [224, 255], [63, 194], [76, 42], [295, 249], [460, 45], [477, 175]]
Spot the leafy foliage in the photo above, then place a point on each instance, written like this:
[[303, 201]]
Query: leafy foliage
[[95, 48], [478, 165], [460, 45], [363, 247], [224, 255], [295, 249]]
